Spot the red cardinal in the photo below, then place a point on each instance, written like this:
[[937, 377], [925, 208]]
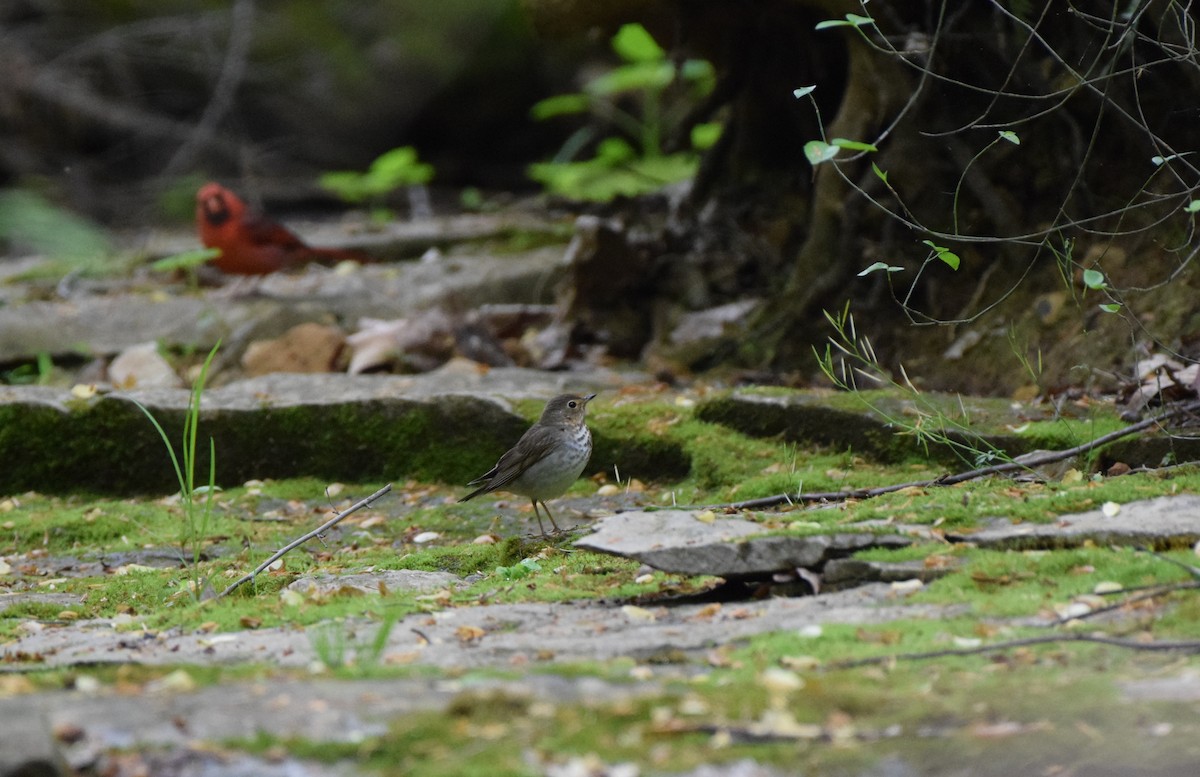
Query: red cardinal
[[251, 244]]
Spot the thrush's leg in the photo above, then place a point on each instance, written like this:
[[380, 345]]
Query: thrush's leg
[[538, 515], [550, 515]]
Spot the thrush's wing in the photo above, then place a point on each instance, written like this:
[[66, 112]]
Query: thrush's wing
[[529, 450]]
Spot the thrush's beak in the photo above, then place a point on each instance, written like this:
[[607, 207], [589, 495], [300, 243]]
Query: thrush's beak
[[589, 397]]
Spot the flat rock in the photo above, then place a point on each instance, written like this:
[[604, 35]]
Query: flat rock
[[344, 711], [847, 572], [873, 427], [374, 582], [499, 635], [27, 748], [1183, 687], [676, 541], [142, 366], [1160, 523], [838, 420], [111, 323], [447, 425]]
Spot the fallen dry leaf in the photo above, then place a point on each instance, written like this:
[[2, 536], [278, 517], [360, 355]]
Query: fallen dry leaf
[[467, 634], [635, 613], [707, 612]]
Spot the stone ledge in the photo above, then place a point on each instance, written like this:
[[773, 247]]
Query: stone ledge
[[444, 426]]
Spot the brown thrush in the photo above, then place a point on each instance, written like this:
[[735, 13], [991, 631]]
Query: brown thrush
[[546, 460]]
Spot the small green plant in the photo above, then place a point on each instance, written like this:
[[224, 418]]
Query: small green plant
[[332, 640], [197, 501], [33, 223], [855, 358], [37, 373], [188, 261], [1033, 367], [393, 170], [633, 162], [519, 570], [328, 641]]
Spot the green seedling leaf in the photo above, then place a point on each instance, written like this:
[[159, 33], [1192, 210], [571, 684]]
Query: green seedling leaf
[[818, 151], [853, 145], [186, 260], [521, 569], [951, 259], [614, 150], [633, 44], [700, 72], [880, 173], [1192, 206], [392, 170], [33, 221], [851, 20], [803, 91], [633, 77], [1111, 307], [616, 170], [1011, 137], [880, 266], [1094, 279], [705, 135], [559, 105], [399, 167], [346, 184]]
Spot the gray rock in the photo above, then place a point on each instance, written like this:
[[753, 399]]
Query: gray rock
[[842, 422], [142, 366], [373, 582], [105, 325], [846, 572], [27, 748], [510, 633], [1161, 523], [1182, 688], [675, 541], [699, 333], [318, 710], [447, 425]]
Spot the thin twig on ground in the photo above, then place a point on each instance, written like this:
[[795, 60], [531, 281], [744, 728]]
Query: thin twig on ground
[[1184, 646], [1194, 572], [1028, 463], [301, 540], [1158, 591]]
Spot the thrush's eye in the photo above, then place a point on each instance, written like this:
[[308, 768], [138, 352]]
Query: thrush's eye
[[572, 404]]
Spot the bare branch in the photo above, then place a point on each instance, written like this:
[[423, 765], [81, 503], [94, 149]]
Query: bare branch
[[301, 540], [1171, 646]]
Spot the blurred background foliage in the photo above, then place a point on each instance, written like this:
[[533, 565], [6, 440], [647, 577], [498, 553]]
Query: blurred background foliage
[[117, 108]]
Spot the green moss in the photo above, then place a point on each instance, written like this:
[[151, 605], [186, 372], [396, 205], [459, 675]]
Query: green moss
[[969, 505], [1015, 583], [894, 426], [108, 445]]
